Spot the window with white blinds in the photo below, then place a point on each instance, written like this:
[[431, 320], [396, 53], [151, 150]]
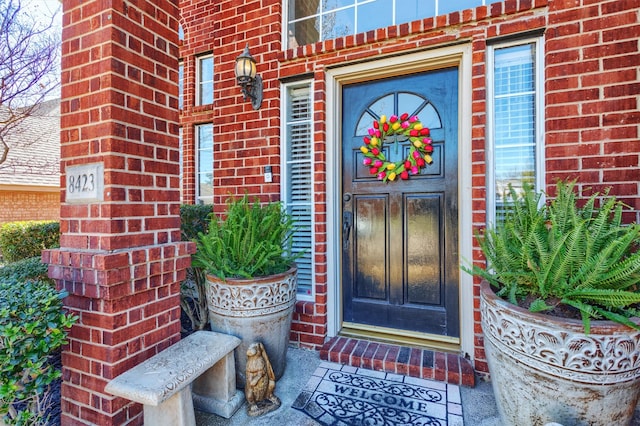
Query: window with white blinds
[[204, 164], [297, 175], [515, 119]]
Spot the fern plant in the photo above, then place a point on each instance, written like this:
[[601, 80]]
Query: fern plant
[[252, 240], [564, 253]]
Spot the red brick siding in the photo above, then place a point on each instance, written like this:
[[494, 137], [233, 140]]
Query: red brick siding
[[121, 260], [592, 87], [119, 97], [590, 104], [244, 140], [29, 205], [128, 305]]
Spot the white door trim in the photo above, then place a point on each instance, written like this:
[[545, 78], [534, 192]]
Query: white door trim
[[456, 55]]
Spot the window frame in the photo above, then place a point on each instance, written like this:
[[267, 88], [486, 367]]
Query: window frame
[[180, 85], [538, 115], [199, 83], [181, 156], [286, 21], [285, 178], [200, 199]]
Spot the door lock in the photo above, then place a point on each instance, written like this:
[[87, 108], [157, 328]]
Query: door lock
[[347, 223]]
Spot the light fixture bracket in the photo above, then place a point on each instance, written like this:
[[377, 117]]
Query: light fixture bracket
[[253, 90], [250, 82]]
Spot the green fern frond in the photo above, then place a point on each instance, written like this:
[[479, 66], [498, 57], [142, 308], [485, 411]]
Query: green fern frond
[[619, 318], [252, 240], [577, 252], [605, 297], [587, 312], [539, 305]]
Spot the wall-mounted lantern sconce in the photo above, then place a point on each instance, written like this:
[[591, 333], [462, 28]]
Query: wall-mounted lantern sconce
[[249, 81]]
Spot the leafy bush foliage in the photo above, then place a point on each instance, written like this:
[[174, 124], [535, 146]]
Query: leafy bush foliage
[[194, 218], [30, 268], [549, 255], [252, 240], [32, 327], [20, 240], [193, 296]]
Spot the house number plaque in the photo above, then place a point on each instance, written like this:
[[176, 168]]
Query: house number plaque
[[85, 183]]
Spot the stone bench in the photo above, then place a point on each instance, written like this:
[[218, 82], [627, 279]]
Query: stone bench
[[197, 371]]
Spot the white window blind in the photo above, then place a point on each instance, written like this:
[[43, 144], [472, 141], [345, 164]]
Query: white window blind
[[298, 177], [204, 164], [515, 119]]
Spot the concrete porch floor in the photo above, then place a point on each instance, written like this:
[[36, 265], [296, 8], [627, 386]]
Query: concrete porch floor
[[478, 403]]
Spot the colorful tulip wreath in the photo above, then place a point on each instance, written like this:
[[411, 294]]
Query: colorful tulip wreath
[[419, 149]]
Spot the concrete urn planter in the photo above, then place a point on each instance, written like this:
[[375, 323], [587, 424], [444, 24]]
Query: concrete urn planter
[[255, 310], [545, 369]]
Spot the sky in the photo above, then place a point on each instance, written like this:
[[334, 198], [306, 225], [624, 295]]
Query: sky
[[44, 10]]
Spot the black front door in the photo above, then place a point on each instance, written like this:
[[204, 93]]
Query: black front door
[[400, 238]]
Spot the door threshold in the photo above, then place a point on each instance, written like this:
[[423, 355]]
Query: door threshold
[[400, 337], [399, 359]]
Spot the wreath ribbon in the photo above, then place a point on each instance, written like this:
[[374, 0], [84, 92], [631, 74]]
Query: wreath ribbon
[[419, 148]]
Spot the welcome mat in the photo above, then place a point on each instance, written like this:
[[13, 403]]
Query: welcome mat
[[339, 395]]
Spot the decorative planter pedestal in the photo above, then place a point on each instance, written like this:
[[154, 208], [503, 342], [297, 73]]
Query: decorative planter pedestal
[[545, 369], [255, 310]]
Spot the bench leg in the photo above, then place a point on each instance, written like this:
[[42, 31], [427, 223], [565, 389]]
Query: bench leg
[[215, 390], [175, 411]]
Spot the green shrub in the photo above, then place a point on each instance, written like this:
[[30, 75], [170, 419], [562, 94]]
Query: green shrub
[[194, 218], [20, 240], [30, 268], [253, 240], [565, 253], [32, 327]]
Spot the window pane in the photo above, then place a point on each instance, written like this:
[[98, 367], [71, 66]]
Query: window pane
[[429, 117], [206, 188], [338, 24], [514, 119], [299, 136], [448, 6], [311, 20], [514, 70], [302, 8], [206, 69], [298, 178], [369, 17], [204, 171], [303, 32], [180, 84], [383, 105], [364, 124], [411, 10], [409, 103], [205, 80], [335, 4]]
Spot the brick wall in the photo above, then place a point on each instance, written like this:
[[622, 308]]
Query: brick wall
[[29, 205], [591, 54], [592, 96], [244, 140], [120, 259]]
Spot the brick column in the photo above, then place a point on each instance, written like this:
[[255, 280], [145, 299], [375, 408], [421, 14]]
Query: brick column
[[120, 256]]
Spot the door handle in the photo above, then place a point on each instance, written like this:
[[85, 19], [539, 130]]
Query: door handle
[[347, 223]]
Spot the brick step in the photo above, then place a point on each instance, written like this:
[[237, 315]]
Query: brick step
[[409, 361]]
